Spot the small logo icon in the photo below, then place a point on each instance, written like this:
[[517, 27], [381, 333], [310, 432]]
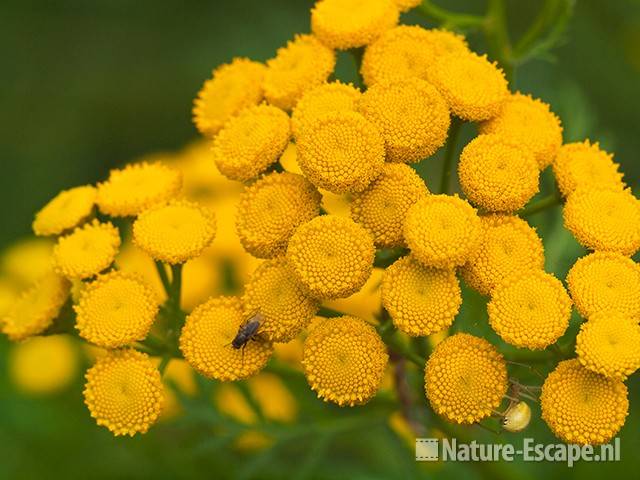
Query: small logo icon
[[426, 449]]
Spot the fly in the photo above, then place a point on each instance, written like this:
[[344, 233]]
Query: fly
[[247, 331]]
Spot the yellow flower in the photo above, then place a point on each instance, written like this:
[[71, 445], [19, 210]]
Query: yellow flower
[[27, 260], [442, 231], [35, 310], [43, 365], [608, 344], [86, 251], [585, 165], [406, 5], [233, 86], [271, 209], [299, 66], [581, 406], [8, 296], [326, 98], [66, 210], [206, 340], [331, 256], [136, 187], [365, 303], [407, 51], [124, 392], [176, 232], [530, 123], [116, 309], [421, 300], [341, 151], [510, 247], [605, 281], [604, 220], [382, 207], [474, 87], [250, 142], [497, 175], [283, 304], [412, 116], [344, 360], [344, 24], [531, 311], [465, 378], [178, 377], [276, 402]]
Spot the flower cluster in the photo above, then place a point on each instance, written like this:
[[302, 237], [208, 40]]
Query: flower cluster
[[291, 143]]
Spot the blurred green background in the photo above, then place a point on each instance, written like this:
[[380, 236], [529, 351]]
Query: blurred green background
[[89, 85]]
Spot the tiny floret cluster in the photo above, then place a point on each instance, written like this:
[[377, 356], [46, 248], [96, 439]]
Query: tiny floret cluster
[[331, 256], [271, 209], [344, 360], [581, 406], [465, 379]]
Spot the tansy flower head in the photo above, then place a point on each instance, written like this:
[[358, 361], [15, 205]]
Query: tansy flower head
[[136, 187], [465, 378], [531, 311], [87, 250], [344, 24], [528, 122], [510, 247], [66, 210], [115, 310], [407, 51], [581, 406], [36, 309], [382, 207], [474, 87], [250, 142], [233, 86], [604, 220], [296, 68], [421, 300], [331, 256], [442, 231], [26, 260], [176, 232], [344, 359], [43, 365], [124, 392], [605, 281], [284, 306], [326, 98], [412, 116], [206, 340], [497, 175], [608, 344], [341, 152], [271, 209], [585, 165]]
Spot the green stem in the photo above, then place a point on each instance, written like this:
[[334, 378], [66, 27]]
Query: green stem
[[386, 257], [162, 273], [176, 285], [495, 30], [443, 16], [357, 54], [164, 363], [328, 312], [541, 205], [397, 345], [447, 166]]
